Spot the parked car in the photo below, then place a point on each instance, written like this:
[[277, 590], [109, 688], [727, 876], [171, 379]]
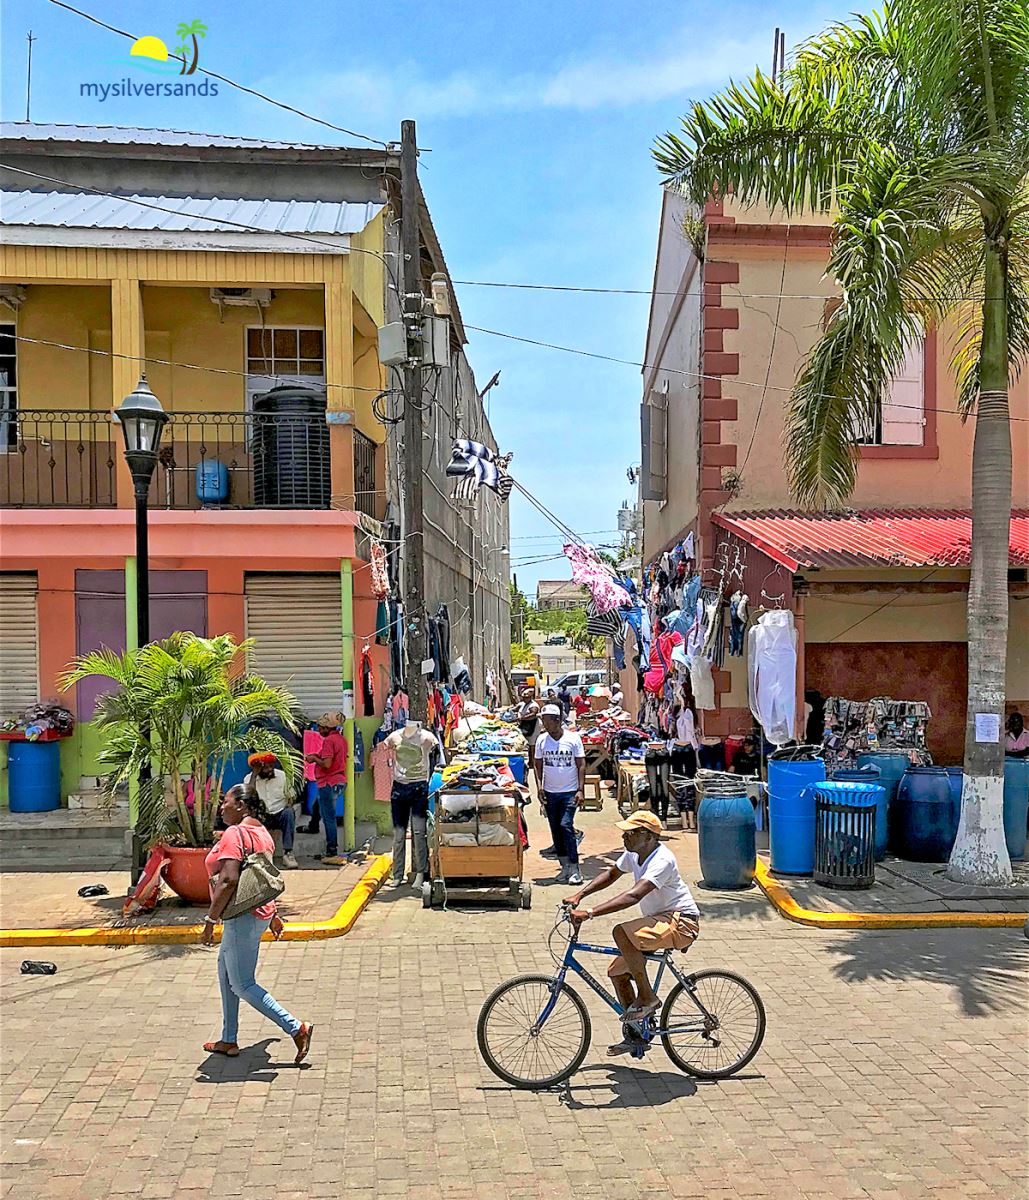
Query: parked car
[[556, 639], [577, 679]]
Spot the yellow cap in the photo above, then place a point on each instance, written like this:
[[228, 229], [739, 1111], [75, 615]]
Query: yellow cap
[[643, 819]]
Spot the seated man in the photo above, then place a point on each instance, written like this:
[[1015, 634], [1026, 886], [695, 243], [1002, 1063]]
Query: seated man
[[670, 918], [270, 784]]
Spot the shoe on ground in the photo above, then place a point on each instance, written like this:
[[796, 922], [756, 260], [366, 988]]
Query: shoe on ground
[[395, 881], [550, 852], [289, 861], [416, 883], [308, 829], [334, 860], [570, 875]]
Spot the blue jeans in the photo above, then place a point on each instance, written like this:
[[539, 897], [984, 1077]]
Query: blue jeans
[[237, 963], [561, 812], [286, 823], [327, 797]]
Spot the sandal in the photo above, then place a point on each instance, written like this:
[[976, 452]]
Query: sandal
[[226, 1048], [302, 1041]]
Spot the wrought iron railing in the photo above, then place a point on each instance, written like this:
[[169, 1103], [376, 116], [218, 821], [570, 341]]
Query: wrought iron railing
[[365, 496], [55, 459], [207, 460]]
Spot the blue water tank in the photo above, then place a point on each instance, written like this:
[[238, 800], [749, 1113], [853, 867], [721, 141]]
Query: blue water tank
[[725, 832], [956, 779], [34, 776], [870, 775], [212, 482], [891, 765], [925, 824], [1016, 805], [791, 813]]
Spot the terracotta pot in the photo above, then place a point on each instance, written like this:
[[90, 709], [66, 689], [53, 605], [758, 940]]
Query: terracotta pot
[[186, 874]]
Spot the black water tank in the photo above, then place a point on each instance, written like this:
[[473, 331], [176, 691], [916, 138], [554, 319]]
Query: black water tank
[[291, 449]]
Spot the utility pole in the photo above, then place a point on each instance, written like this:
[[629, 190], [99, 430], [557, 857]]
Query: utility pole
[[28, 79], [414, 544]]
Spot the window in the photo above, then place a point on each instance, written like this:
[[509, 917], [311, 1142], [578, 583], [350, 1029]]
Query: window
[[900, 420], [364, 474], [654, 423], [290, 352], [8, 389]]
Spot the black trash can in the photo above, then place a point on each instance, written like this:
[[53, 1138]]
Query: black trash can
[[844, 835]]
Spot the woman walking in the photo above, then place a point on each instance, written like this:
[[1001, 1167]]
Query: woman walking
[[242, 811]]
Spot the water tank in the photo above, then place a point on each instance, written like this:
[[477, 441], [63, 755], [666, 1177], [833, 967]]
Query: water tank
[[291, 449], [1016, 803], [726, 837], [791, 812], [870, 775], [891, 765], [924, 823], [34, 776], [956, 778]]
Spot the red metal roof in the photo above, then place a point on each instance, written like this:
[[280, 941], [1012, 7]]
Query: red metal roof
[[904, 537]]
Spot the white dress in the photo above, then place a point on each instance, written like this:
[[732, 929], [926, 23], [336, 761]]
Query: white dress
[[772, 674]]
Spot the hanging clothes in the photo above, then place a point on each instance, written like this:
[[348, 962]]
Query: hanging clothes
[[602, 624], [367, 683], [737, 622], [382, 758], [702, 682], [772, 674], [379, 577], [588, 570], [438, 628], [382, 624]]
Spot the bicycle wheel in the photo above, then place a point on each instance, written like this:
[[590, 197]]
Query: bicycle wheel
[[719, 1046], [519, 1053]]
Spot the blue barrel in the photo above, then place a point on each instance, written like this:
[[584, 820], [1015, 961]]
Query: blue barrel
[[791, 814], [34, 776], [309, 801], [727, 845], [1016, 804], [517, 764], [925, 824], [956, 778], [212, 482], [870, 775], [891, 765], [435, 783]]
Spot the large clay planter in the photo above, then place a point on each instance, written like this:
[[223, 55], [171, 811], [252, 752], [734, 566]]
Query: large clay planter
[[186, 874]]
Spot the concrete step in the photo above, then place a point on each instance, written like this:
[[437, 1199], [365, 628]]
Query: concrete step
[[64, 838]]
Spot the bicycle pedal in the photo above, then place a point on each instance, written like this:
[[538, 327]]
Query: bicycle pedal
[[639, 1050]]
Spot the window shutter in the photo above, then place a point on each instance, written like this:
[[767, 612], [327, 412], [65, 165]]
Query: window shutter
[[19, 644], [654, 429], [903, 409]]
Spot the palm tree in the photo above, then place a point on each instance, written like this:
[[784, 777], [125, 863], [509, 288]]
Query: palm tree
[[184, 706], [181, 52], [193, 30], [912, 127]]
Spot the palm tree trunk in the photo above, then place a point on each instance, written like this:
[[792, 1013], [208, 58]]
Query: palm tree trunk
[[980, 854], [196, 55]]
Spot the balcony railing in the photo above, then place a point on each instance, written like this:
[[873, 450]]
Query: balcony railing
[[208, 460]]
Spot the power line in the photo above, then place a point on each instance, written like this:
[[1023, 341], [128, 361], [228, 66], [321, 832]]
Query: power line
[[231, 82], [616, 291]]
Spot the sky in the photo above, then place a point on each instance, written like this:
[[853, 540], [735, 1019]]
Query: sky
[[538, 119]]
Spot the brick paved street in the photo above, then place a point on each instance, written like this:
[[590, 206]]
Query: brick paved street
[[894, 1066]]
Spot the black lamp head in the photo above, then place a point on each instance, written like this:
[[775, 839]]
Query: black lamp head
[[142, 422]]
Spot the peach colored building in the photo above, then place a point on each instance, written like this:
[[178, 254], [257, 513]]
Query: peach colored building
[[740, 294]]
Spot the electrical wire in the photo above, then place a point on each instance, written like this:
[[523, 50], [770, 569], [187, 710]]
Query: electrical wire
[[771, 353], [231, 82]]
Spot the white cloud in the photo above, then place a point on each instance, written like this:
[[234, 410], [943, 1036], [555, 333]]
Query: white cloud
[[674, 69]]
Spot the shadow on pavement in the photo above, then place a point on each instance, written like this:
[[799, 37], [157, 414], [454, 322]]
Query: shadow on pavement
[[632, 1088], [986, 968], [254, 1065]]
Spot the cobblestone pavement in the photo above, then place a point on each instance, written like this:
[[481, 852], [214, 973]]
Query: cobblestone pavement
[[895, 1066]]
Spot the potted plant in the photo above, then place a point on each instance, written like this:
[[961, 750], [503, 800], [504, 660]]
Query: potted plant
[[183, 707]]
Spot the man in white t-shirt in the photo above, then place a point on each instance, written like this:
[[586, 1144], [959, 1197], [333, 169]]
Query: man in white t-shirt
[[559, 761], [670, 918], [270, 784]]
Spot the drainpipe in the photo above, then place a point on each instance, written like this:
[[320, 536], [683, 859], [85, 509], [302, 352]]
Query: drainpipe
[[799, 602], [346, 581]]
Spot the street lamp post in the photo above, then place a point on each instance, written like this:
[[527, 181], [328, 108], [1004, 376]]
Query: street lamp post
[[142, 422]]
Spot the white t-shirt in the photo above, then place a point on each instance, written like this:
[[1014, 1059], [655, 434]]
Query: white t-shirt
[[560, 774], [272, 791], [670, 893], [685, 730], [412, 754]]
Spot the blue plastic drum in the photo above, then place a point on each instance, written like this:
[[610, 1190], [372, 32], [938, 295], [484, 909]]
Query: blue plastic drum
[[791, 814], [870, 775], [925, 824], [727, 844], [34, 776], [1016, 805]]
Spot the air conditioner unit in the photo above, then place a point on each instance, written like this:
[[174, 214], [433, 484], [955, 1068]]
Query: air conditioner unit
[[241, 297]]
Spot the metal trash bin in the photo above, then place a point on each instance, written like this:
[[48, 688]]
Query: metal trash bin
[[845, 834]]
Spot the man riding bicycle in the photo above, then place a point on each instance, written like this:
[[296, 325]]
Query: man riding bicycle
[[670, 918]]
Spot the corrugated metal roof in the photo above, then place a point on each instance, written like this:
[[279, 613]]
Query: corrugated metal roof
[[917, 537], [121, 135], [83, 210]]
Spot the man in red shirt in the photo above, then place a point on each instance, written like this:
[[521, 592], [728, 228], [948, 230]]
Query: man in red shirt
[[330, 774], [581, 702]]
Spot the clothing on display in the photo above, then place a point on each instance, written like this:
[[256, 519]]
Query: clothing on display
[[438, 631], [738, 604], [409, 805], [382, 758], [702, 683], [596, 575], [772, 674], [658, 764], [474, 464], [414, 750], [854, 727], [367, 683], [378, 577]]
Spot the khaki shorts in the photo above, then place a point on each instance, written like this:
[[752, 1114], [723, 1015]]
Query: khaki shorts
[[661, 931]]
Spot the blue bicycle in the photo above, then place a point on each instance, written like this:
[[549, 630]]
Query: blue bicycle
[[534, 1030]]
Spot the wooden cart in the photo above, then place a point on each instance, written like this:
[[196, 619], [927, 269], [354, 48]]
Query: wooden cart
[[476, 850]]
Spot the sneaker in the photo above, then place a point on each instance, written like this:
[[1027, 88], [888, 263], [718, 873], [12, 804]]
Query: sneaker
[[574, 876], [550, 852], [394, 881], [309, 829], [289, 861], [579, 835], [334, 860]]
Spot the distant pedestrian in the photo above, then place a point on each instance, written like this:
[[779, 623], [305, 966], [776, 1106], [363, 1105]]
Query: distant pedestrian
[[616, 695], [560, 768], [1016, 743], [527, 714], [564, 698], [243, 813], [330, 775], [269, 781], [582, 702]]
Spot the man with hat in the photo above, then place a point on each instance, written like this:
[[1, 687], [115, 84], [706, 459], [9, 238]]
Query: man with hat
[[670, 918], [330, 775], [560, 766], [270, 784]]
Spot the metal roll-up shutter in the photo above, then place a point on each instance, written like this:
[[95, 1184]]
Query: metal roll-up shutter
[[296, 622], [19, 643]]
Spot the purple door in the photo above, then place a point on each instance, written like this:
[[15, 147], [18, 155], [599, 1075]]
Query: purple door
[[178, 601]]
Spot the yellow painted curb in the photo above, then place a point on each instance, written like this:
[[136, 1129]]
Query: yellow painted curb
[[787, 907], [170, 935]]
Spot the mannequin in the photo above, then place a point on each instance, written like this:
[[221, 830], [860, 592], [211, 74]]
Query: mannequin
[[414, 750]]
